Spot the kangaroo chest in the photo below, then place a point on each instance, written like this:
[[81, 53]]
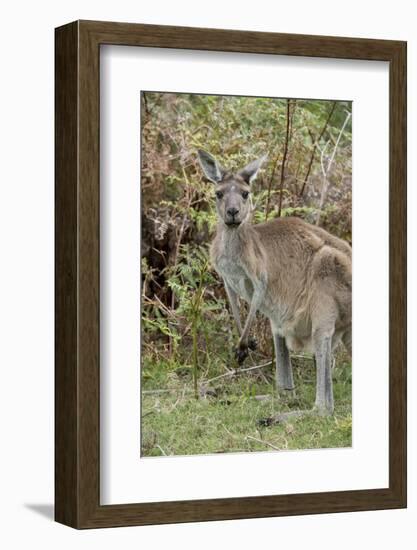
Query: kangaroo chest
[[296, 331], [235, 276]]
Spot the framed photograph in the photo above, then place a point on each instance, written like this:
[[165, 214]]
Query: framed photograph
[[230, 274]]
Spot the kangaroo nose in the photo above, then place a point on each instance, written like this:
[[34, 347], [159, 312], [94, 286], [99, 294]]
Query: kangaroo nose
[[232, 212]]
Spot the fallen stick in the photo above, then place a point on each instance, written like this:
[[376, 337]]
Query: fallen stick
[[238, 371], [230, 373], [264, 442], [172, 390]]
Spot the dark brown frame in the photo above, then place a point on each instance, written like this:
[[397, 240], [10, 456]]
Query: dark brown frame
[[77, 274]]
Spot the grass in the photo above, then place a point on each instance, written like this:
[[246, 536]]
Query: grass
[[225, 418]]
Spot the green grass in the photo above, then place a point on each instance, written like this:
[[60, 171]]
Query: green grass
[[225, 417]]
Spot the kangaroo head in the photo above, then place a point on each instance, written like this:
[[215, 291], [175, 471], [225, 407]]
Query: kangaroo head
[[233, 198]]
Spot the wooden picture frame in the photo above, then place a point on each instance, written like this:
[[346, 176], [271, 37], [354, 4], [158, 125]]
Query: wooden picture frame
[[77, 373]]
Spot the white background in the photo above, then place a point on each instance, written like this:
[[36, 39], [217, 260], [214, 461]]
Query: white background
[[26, 299], [126, 478]]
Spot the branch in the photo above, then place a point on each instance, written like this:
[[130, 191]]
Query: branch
[[263, 442], [337, 142], [284, 158], [170, 390], [327, 169], [289, 126], [238, 371], [315, 142]]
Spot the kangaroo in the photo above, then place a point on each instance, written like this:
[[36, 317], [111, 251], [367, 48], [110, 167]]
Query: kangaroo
[[296, 274]]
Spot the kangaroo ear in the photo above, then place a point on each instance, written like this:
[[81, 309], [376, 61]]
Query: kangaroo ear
[[250, 171], [211, 168]]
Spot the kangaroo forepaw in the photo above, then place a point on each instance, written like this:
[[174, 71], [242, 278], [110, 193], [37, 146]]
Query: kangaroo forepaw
[[252, 344], [265, 422], [241, 352]]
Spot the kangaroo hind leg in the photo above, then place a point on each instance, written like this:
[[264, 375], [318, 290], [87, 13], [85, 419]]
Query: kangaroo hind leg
[[347, 342], [323, 331], [284, 375]]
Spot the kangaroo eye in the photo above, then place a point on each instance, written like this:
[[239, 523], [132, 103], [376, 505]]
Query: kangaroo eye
[[245, 194], [219, 194]]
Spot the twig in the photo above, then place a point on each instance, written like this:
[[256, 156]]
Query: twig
[[263, 442], [179, 240], [284, 158], [145, 104], [271, 178], [260, 372], [238, 371], [322, 151], [228, 431], [157, 302], [171, 390], [161, 449], [265, 397], [294, 105], [337, 141], [315, 142], [326, 170]]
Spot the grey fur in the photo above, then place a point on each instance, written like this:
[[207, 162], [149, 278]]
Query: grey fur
[[296, 274]]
